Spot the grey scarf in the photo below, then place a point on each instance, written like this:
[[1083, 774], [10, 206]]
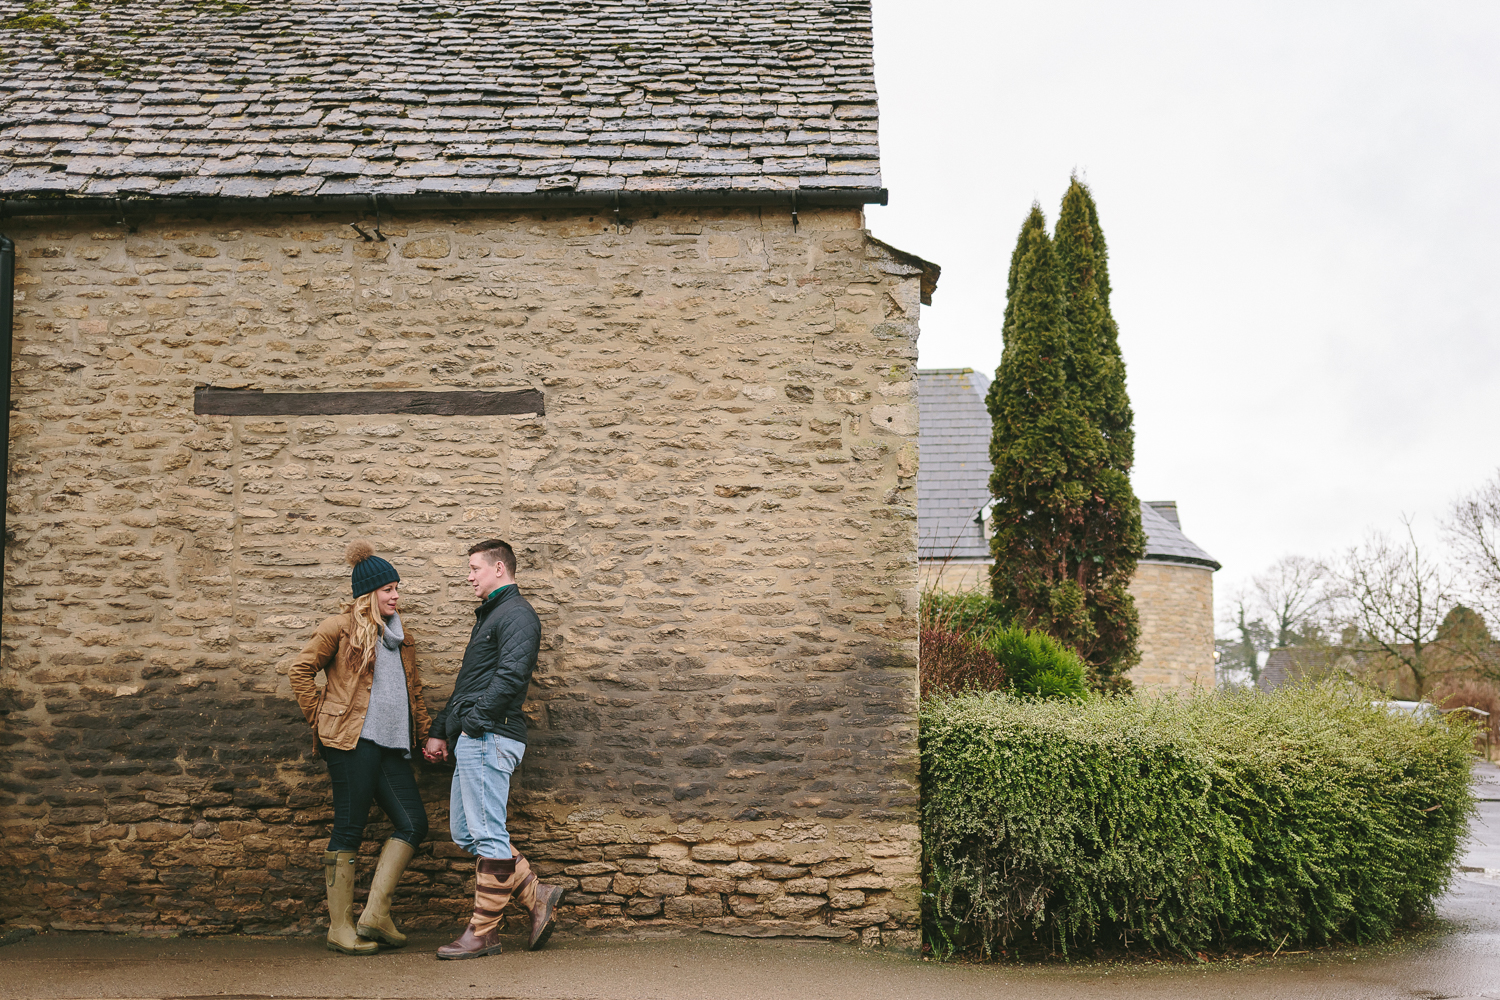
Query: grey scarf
[[387, 720]]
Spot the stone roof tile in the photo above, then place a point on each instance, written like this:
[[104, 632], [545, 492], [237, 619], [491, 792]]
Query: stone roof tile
[[190, 98], [954, 471]]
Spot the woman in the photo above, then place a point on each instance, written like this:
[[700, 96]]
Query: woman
[[365, 719]]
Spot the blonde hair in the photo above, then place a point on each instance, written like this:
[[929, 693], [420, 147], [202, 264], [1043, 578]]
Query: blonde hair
[[369, 626]]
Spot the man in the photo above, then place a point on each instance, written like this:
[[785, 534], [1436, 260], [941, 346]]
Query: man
[[484, 727]]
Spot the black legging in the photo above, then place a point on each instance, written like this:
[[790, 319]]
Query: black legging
[[373, 773]]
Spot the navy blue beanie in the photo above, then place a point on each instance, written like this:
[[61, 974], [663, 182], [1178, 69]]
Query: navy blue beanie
[[370, 571]]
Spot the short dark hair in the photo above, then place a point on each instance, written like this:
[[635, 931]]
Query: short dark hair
[[496, 550]]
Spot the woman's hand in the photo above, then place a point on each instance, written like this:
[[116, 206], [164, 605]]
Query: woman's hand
[[435, 750]]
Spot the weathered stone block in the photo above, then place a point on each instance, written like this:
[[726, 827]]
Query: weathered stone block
[[762, 850], [644, 907], [795, 907], [715, 852], [693, 907], [132, 812], [869, 880], [664, 885], [866, 917]]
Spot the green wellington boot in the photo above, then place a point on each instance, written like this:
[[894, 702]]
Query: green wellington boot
[[338, 873], [375, 922]]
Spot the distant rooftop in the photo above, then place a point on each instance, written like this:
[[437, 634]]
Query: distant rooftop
[[954, 474], [953, 477], [1165, 542]]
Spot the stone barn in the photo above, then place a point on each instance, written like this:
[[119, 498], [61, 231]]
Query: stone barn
[[590, 276]]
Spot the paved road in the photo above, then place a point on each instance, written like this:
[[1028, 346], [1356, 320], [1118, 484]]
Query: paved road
[[1461, 961]]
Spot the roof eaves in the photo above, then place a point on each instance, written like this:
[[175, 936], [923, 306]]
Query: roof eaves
[[14, 207], [930, 271], [1158, 557]]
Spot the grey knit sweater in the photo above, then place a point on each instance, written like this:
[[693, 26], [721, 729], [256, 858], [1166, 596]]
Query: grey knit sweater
[[387, 721]]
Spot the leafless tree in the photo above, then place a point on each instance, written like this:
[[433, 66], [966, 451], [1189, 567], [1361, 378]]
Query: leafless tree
[[1473, 528], [1250, 637], [1395, 597], [1293, 597]]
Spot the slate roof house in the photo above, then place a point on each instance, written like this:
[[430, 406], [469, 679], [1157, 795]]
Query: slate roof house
[[1173, 584], [592, 276]]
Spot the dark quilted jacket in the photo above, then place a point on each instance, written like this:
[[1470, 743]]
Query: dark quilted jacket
[[496, 672]]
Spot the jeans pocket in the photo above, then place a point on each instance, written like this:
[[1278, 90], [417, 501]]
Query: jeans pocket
[[503, 752]]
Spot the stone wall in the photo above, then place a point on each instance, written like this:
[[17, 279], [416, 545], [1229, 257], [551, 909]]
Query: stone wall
[[715, 518], [1176, 605]]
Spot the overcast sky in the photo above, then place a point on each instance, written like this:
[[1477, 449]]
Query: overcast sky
[[1300, 201]]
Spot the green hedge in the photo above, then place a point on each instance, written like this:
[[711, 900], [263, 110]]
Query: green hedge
[[1240, 819]]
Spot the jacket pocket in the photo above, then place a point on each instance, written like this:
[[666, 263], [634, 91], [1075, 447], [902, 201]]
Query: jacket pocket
[[329, 716]]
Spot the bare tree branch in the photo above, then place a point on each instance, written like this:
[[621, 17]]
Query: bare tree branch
[[1396, 599], [1293, 595], [1252, 638], [1473, 527]]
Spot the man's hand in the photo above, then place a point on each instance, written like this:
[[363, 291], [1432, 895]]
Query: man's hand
[[435, 750]]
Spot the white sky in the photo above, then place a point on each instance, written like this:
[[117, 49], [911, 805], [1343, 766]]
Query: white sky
[[1300, 201]]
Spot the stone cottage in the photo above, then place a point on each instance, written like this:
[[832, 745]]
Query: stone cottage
[[590, 276], [1173, 583]]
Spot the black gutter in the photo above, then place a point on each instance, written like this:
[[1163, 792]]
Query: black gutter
[[562, 200], [7, 318], [1153, 557]]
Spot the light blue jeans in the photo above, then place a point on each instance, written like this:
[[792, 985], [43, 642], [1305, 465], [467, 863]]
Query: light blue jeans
[[481, 786]]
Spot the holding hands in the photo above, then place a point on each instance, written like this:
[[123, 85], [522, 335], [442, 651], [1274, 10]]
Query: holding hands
[[435, 750]]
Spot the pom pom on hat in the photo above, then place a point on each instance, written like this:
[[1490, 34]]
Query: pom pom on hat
[[357, 552], [370, 571]]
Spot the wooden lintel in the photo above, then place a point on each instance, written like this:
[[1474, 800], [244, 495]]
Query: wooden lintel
[[459, 403]]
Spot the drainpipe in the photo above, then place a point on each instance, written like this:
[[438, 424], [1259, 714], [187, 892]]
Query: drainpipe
[[7, 316]]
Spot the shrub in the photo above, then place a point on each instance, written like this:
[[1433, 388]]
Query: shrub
[[1037, 664], [1244, 819], [952, 663], [967, 645]]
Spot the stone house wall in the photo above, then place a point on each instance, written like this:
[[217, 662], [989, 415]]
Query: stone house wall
[[1176, 606], [715, 518]]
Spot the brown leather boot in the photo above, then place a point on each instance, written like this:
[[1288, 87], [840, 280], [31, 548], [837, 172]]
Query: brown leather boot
[[541, 900], [375, 923], [493, 884]]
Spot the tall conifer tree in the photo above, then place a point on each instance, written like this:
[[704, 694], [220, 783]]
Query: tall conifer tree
[[1040, 441], [1111, 537], [1099, 368], [1067, 525]]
